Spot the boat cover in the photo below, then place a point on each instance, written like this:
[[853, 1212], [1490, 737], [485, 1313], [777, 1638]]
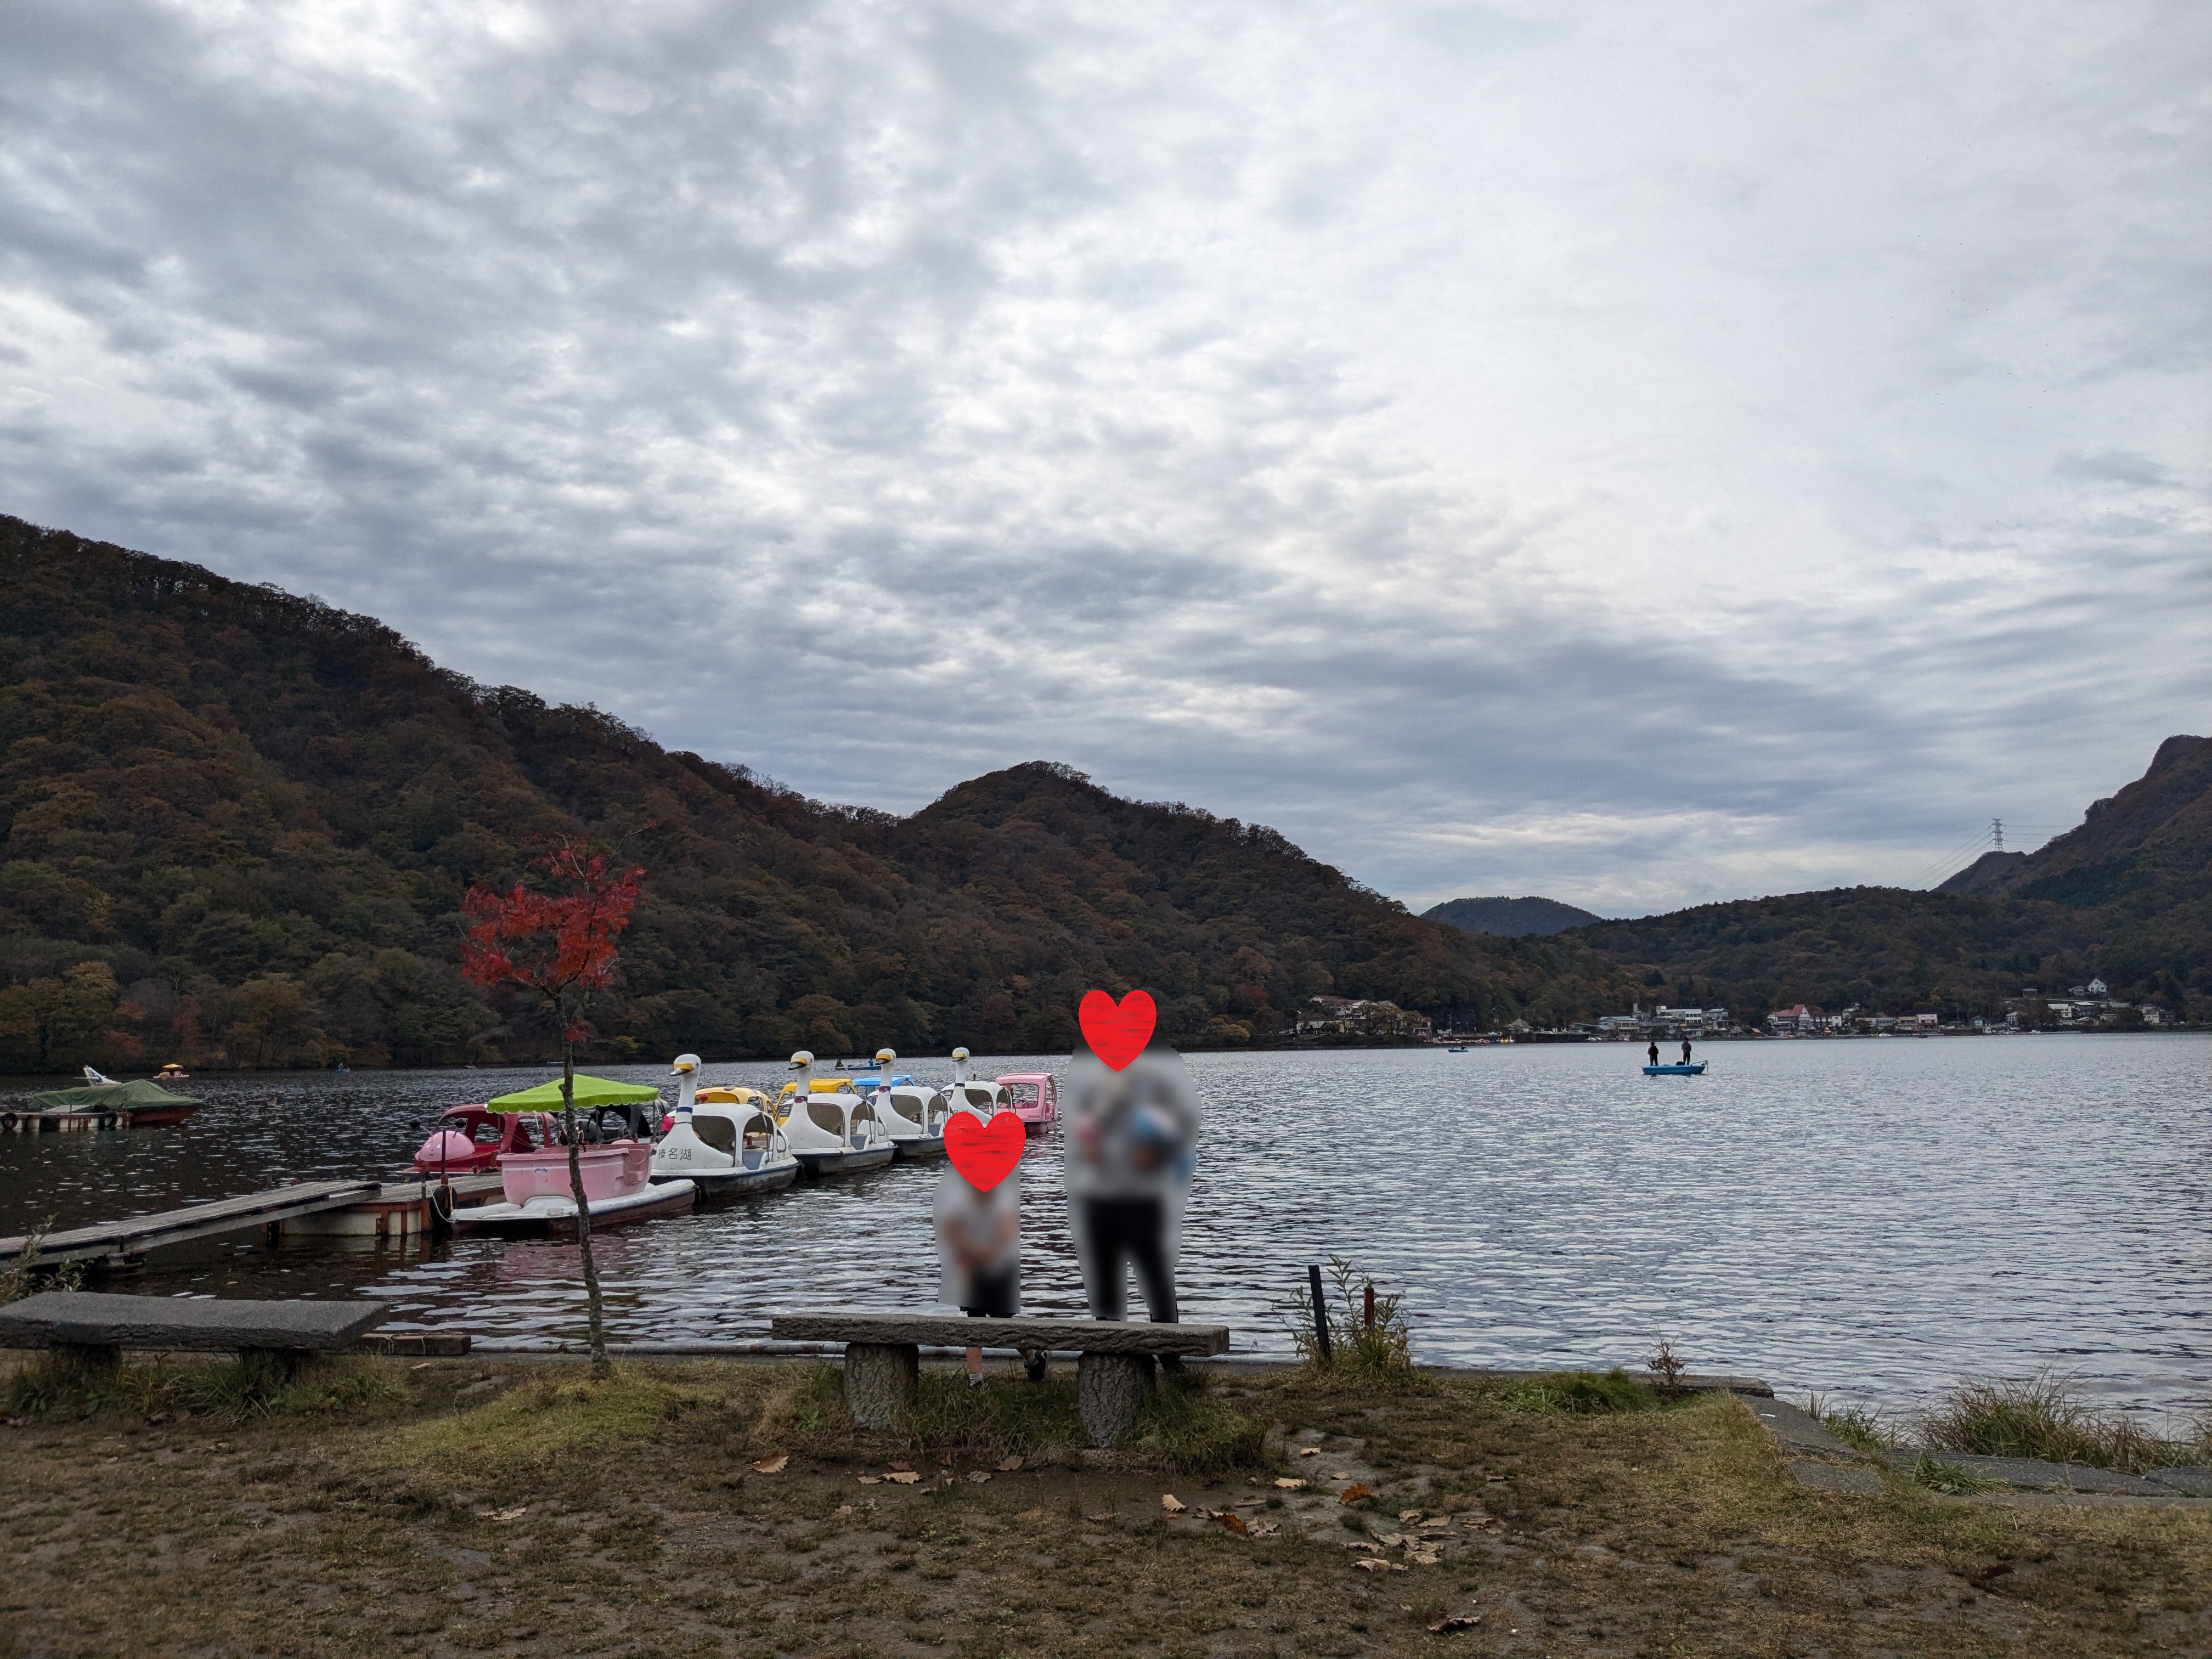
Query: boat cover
[[590, 1092], [139, 1097]]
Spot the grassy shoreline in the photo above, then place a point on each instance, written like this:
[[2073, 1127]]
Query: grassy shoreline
[[482, 1506]]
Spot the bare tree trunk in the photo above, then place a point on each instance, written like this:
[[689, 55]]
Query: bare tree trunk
[[601, 1368]]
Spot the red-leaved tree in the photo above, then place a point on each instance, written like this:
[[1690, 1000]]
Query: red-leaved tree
[[556, 941]]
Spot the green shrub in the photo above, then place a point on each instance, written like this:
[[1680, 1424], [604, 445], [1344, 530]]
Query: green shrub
[[1374, 1349], [1584, 1392]]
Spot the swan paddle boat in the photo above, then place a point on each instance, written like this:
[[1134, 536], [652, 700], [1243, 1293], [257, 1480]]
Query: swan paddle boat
[[829, 1129], [1695, 1068], [726, 1142], [618, 1174], [912, 1115]]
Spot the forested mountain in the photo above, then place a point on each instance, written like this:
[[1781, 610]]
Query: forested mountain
[[235, 826], [1509, 918], [2126, 897]]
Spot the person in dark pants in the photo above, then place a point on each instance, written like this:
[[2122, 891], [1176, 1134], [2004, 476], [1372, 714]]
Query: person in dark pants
[[1685, 1051], [1654, 1051], [1131, 1147]]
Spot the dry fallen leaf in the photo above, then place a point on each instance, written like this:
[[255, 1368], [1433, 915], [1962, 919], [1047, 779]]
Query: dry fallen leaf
[[843, 1508], [1423, 1558], [1264, 1530], [977, 1476], [1377, 1564], [902, 1478], [516, 1513], [1361, 1544], [1341, 1475], [1102, 1514], [1357, 1492], [1456, 1621], [871, 1481], [1309, 1451], [1389, 1540], [1008, 1465], [772, 1465], [1171, 1503], [903, 1468], [1235, 1522], [1248, 1503], [1409, 1515], [1289, 1484]]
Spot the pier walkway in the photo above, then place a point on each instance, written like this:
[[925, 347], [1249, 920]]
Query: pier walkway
[[116, 1242]]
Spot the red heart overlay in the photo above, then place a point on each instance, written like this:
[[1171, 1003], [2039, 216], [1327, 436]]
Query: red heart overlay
[[985, 1152], [1117, 1035]]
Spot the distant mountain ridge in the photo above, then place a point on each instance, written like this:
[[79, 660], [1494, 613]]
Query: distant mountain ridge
[[2126, 897], [1509, 918]]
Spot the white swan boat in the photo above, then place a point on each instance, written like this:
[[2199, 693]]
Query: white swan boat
[[724, 1141], [829, 1129], [912, 1114]]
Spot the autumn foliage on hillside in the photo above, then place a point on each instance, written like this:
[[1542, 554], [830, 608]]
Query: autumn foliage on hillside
[[236, 827]]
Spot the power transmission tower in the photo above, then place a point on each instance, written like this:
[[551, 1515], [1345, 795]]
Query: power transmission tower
[[1996, 833]]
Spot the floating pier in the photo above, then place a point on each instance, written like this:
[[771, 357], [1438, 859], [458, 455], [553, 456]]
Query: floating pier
[[392, 1211]]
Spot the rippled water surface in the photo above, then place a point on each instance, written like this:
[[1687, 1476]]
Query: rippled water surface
[[1878, 1217]]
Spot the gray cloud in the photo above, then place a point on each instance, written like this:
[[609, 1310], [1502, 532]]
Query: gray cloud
[[1633, 457]]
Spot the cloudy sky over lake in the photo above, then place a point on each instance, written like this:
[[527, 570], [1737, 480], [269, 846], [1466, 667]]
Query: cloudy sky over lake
[[1638, 454]]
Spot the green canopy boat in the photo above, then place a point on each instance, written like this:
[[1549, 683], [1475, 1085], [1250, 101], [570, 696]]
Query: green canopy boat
[[141, 1104], [638, 1104], [591, 1091]]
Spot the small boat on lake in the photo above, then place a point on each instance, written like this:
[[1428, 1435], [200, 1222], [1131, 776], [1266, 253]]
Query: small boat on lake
[[912, 1115], [1032, 1096], [101, 1102], [468, 1139], [616, 1174], [619, 1189], [726, 1142], [1695, 1068], [829, 1129]]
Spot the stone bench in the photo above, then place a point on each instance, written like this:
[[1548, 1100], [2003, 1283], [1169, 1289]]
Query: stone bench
[[89, 1330], [883, 1357]]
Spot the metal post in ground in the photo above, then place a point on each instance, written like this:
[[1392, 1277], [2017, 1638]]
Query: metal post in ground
[[1319, 1312]]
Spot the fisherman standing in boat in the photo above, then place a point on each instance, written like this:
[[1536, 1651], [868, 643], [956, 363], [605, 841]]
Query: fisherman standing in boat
[[1685, 1051], [1654, 1051]]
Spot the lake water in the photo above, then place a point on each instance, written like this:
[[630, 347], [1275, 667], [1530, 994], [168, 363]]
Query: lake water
[[1876, 1217]]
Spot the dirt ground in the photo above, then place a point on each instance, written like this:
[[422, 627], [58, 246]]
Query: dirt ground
[[475, 1507]]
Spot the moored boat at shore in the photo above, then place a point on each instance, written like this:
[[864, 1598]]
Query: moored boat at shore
[[726, 1142], [829, 1129]]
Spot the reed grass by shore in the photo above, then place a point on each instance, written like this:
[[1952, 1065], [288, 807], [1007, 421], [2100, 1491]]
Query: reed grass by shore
[[2044, 1416]]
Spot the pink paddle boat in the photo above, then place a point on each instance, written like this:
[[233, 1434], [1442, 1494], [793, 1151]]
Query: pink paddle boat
[[468, 1139], [1036, 1097]]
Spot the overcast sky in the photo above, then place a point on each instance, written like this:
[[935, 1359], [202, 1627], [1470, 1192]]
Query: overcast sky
[[1638, 454]]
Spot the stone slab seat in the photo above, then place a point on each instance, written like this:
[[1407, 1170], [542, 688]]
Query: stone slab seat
[[883, 1357], [92, 1328]]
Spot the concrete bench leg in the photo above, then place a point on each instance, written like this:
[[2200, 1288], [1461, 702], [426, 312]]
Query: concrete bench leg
[[1110, 1387], [88, 1365], [270, 1368], [881, 1381]]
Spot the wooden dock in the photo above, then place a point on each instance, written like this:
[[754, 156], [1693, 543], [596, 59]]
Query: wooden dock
[[117, 1241]]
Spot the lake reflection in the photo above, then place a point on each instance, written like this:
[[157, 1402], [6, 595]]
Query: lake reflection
[[1874, 1216]]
